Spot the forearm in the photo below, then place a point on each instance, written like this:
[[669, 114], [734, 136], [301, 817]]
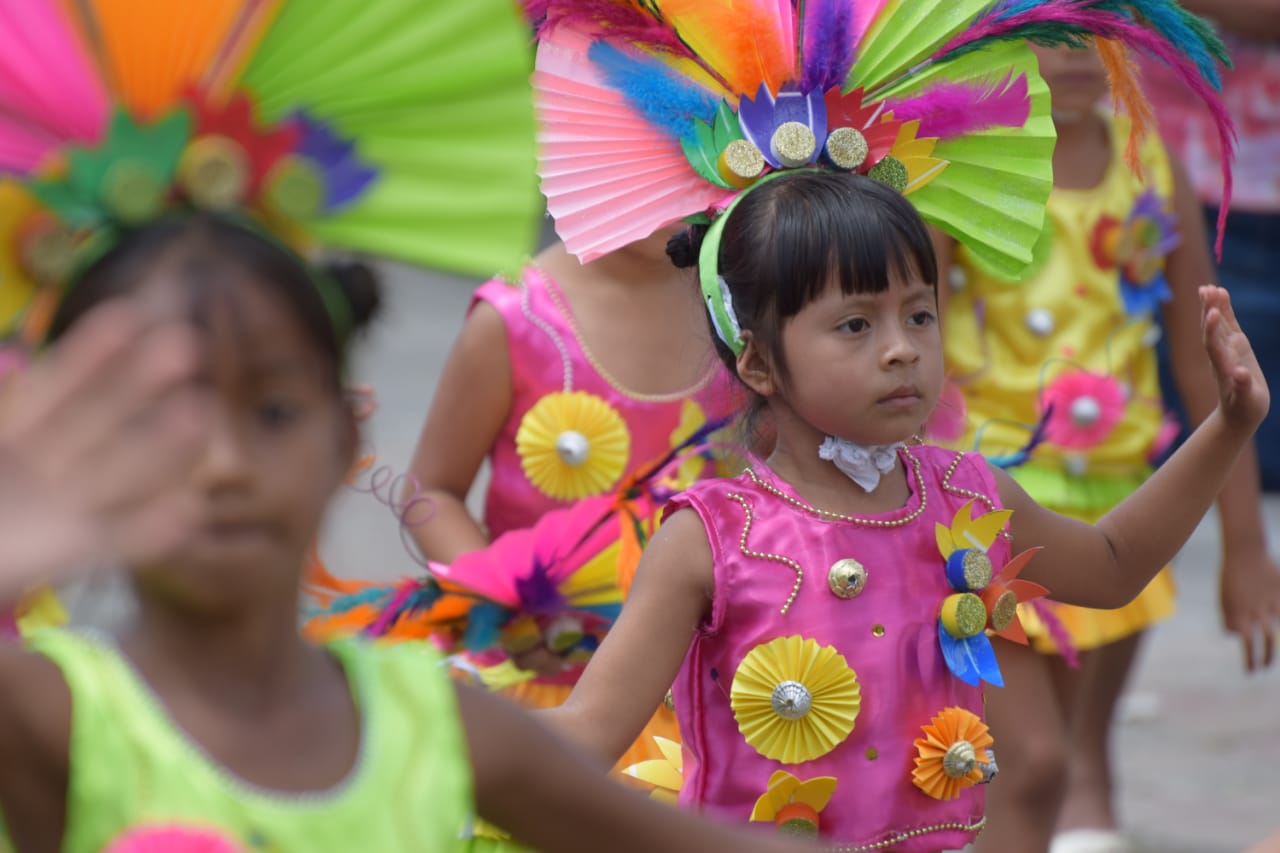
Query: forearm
[[1146, 530], [549, 795], [443, 529]]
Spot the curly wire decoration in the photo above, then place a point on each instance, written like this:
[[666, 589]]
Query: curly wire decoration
[[411, 508]]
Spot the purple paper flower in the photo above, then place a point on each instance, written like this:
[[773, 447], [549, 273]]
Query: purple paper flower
[[761, 117], [346, 176]]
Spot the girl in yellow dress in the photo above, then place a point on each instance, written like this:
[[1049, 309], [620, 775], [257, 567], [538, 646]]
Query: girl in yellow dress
[[1071, 348]]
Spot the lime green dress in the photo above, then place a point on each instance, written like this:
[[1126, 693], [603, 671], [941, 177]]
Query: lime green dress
[[133, 767]]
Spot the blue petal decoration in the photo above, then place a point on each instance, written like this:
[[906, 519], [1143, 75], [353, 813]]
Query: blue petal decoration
[[1144, 299], [972, 660], [483, 624], [761, 116], [346, 177]]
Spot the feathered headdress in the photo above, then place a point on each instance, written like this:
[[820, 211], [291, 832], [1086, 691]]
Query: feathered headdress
[[652, 111], [400, 129]]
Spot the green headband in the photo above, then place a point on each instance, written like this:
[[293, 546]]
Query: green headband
[[715, 290]]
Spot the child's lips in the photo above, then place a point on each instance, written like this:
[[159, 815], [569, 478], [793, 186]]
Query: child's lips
[[904, 397]]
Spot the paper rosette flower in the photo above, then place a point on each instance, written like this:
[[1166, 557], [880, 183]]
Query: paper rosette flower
[[1138, 247], [572, 445], [950, 756], [665, 774], [172, 839], [793, 804], [794, 700], [1086, 407], [984, 600]]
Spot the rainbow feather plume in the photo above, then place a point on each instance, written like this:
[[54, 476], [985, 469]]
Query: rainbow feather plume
[[665, 98], [952, 109], [1184, 44]]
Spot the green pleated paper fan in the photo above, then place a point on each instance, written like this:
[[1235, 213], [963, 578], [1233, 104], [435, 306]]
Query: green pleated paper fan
[[904, 33], [437, 97], [992, 194]]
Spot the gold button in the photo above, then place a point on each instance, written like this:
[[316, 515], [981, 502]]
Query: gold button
[[877, 630], [872, 753], [847, 578]]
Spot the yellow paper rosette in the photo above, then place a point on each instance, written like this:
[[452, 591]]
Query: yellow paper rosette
[[794, 700], [573, 445], [952, 754], [665, 774]]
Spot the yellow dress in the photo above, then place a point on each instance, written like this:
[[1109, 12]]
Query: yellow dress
[[1076, 334]]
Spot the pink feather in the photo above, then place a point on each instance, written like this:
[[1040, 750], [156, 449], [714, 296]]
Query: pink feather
[[1057, 632], [618, 19], [948, 110]]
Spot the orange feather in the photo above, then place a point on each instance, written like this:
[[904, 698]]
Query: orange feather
[[1122, 75], [746, 42]]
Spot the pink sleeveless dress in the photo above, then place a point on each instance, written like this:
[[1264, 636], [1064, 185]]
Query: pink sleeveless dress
[[548, 356], [549, 359], [768, 630]]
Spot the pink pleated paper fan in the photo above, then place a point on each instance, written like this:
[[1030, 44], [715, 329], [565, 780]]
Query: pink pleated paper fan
[[172, 839], [40, 54], [610, 178]]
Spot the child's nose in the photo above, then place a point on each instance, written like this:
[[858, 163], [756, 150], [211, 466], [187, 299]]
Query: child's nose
[[225, 463], [898, 348]]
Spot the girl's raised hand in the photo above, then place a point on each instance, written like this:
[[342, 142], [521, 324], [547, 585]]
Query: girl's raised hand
[[96, 440], [1243, 396]]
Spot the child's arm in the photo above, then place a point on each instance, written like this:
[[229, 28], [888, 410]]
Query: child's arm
[[1106, 565], [634, 667], [471, 404], [550, 797], [1250, 580]]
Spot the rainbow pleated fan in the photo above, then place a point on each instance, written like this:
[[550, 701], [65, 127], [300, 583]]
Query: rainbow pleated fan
[[395, 128]]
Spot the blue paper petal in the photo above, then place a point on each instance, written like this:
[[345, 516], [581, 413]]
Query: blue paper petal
[[972, 660], [1140, 300]]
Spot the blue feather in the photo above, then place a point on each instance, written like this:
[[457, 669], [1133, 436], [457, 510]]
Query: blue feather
[[664, 98], [1171, 22], [374, 596], [483, 624]]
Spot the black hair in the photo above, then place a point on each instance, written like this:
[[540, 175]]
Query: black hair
[[206, 247], [788, 238]]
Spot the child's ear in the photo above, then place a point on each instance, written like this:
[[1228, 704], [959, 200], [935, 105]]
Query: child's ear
[[755, 369]]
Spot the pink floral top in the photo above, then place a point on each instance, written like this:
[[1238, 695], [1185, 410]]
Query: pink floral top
[[782, 651], [548, 356]]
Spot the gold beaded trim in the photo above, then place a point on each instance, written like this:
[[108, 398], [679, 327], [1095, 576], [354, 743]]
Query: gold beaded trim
[[915, 833], [853, 519], [876, 522], [777, 558], [553, 291]]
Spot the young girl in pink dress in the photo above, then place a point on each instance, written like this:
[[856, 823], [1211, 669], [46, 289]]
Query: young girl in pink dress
[[825, 616]]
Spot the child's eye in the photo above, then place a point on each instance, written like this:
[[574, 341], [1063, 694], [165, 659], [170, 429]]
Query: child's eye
[[857, 324], [922, 318], [275, 414]]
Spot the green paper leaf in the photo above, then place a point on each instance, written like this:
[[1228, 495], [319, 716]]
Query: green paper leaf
[[726, 128], [904, 33], [702, 153]]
